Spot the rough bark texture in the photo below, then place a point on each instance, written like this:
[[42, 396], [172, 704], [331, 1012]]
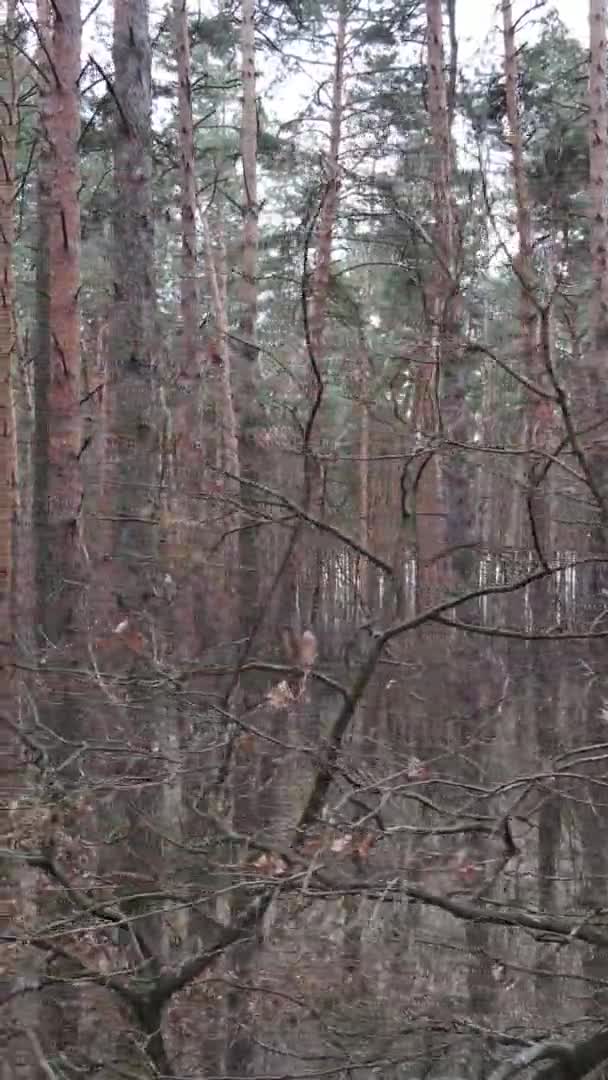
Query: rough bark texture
[[430, 507], [8, 461], [188, 280], [598, 178], [313, 496], [246, 367], [60, 492], [523, 261], [216, 276], [536, 360], [132, 459], [249, 151], [11, 773], [598, 242], [329, 208]]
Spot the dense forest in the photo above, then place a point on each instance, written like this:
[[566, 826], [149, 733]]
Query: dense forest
[[303, 542]]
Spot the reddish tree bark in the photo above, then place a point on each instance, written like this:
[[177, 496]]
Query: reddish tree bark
[[60, 493]]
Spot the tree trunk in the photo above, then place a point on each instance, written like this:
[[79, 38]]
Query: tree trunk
[[8, 446], [58, 500], [593, 387], [12, 770], [594, 816], [430, 510], [188, 279], [539, 410], [60, 492], [319, 294], [330, 198], [598, 178], [133, 451], [249, 151]]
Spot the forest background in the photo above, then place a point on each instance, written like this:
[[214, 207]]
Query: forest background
[[303, 540]]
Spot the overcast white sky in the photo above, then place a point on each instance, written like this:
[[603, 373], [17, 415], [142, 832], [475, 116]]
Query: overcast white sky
[[477, 18]]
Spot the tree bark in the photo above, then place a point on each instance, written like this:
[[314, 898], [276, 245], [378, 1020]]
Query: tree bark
[[8, 446], [540, 411], [133, 453], [329, 208], [598, 173], [188, 279], [430, 508], [60, 494]]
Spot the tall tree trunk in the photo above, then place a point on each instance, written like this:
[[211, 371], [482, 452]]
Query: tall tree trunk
[[594, 815], [246, 367], [249, 153], [188, 278], [539, 411], [58, 499], [598, 173], [216, 276], [133, 411], [364, 452], [430, 510], [314, 481], [329, 208], [593, 386], [523, 261], [12, 771], [8, 446], [134, 461], [59, 435]]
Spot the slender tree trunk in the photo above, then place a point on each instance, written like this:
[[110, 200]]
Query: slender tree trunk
[[249, 152], [319, 290], [246, 388], [430, 510], [598, 173], [58, 498], [8, 446], [188, 280], [134, 459], [523, 261], [593, 384], [59, 436], [329, 208], [216, 274], [133, 463], [594, 823], [539, 411], [12, 770], [364, 448]]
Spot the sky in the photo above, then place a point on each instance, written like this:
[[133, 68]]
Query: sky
[[477, 18]]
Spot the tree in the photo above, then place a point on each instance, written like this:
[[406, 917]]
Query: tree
[[132, 461], [275, 816], [60, 441]]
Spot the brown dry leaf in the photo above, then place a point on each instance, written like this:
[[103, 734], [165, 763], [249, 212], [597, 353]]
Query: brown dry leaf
[[246, 742], [280, 695]]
